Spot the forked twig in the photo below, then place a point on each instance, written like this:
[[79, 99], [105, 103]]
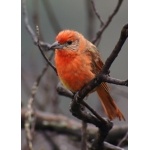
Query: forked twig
[[105, 25]]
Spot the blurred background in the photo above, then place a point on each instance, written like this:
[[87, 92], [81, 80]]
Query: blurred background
[[53, 16]]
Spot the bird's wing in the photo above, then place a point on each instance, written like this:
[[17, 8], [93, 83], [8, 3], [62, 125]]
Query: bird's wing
[[96, 62]]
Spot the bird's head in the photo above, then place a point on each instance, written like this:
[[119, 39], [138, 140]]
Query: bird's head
[[67, 40]]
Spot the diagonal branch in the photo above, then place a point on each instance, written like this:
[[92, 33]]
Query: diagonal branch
[[35, 37], [30, 118], [65, 92], [96, 13], [116, 50], [67, 126], [105, 25], [42, 51], [30, 30]]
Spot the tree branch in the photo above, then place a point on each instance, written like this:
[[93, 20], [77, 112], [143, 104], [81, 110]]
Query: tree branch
[[42, 51], [57, 123], [64, 125], [65, 92], [96, 13], [30, 30], [116, 50], [109, 79], [105, 25]]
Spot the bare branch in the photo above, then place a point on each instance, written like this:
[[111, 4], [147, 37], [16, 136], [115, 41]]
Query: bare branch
[[96, 13], [28, 27], [64, 125], [65, 92], [42, 52], [35, 16], [105, 25], [30, 120], [116, 50], [30, 30], [109, 79], [90, 20]]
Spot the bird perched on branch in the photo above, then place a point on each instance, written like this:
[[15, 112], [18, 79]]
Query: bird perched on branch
[[77, 62]]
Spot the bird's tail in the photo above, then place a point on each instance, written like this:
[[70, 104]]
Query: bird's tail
[[108, 103]]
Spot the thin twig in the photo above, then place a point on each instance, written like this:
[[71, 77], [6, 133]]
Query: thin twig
[[35, 16], [67, 126], [30, 119], [105, 25], [93, 111], [116, 50], [30, 30], [28, 27], [42, 51], [65, 92], [96, 13], [112, 80]]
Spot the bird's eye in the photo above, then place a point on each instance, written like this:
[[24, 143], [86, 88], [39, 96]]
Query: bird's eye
[[69, 42]]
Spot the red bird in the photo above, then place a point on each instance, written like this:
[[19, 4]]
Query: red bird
[[78, 61]]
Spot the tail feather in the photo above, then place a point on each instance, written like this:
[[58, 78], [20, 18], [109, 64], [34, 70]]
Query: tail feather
[[108, 104]]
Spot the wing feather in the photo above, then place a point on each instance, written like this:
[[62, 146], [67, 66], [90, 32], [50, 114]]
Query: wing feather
[[96, 61]]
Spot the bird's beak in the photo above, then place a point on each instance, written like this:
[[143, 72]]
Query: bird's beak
[[56, 45]]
